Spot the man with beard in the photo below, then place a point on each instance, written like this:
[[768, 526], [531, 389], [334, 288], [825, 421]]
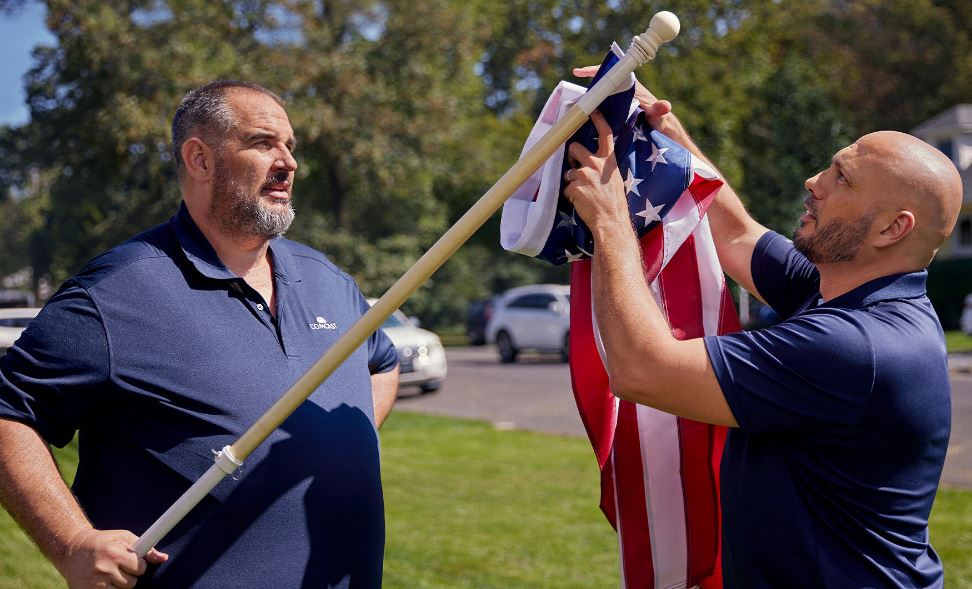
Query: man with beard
[[840, 414], [170, 346]]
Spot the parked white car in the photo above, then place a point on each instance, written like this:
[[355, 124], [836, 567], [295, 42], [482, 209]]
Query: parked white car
[[421, 357], [12, 324], [966, 320], [534, 317]]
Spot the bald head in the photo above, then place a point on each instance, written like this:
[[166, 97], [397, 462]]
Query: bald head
[[920, 179]]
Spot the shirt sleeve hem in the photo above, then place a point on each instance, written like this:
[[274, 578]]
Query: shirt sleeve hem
[[721, 370]]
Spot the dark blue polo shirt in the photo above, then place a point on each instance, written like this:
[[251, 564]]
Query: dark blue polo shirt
[[157, 355], [844, 413]]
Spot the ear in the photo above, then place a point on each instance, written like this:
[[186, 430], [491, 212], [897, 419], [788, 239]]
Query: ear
[[199, 159], [900, 226]]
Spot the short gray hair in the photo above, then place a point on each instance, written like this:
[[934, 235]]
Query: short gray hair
[[205, 112]]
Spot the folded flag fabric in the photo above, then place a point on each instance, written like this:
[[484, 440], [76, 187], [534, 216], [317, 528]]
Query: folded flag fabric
[[659, 473]]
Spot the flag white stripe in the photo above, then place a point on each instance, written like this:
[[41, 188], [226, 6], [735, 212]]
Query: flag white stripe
[[679, 224], [710, 277], [661, 464]]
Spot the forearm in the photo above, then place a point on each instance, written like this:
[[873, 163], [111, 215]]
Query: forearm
[[633, 330], [734, 231], [33, 492], [384, 391]]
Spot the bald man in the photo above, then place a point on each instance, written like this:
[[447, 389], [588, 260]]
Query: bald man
[[840, 414]]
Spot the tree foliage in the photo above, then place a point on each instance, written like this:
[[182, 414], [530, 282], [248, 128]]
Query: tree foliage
[[407, 112]]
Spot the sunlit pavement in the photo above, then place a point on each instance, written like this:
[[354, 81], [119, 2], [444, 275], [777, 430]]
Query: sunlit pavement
[[535, 394]]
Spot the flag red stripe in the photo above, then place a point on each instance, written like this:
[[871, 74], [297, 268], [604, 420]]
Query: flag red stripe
[[652, 253], [633, 512], [680, 288], [588, 377]]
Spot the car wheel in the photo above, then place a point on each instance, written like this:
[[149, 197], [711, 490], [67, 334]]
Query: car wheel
[[565, 351], [505, 345], [431, 386]]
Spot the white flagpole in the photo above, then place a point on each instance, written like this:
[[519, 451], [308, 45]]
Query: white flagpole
[[664, 27]]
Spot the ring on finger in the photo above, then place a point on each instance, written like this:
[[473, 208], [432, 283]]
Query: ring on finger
[[570, 175]]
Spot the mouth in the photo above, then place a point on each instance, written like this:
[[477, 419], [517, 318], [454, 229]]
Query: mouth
[[811, 214], [277, 187]]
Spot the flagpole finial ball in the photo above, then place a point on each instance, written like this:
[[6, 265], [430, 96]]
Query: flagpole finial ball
[[665, 25]]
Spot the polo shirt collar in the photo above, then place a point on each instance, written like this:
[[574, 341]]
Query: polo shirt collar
[[896, 286], [284, 265], [203, 257]]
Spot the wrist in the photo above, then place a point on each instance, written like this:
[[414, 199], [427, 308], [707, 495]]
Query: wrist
[[67, 545], [669, 126], [615, 228]]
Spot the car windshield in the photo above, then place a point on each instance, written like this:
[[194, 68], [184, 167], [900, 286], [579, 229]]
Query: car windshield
[[392, 321]]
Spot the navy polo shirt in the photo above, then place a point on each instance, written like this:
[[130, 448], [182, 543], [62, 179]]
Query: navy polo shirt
[[844, 413], [157, 354]]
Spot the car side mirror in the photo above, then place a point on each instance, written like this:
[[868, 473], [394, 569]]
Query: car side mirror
[[556, 307]]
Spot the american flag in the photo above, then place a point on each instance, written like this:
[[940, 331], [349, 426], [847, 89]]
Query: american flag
[[659, 473]]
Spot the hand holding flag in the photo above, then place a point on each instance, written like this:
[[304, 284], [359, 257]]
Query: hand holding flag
[[595, 187]]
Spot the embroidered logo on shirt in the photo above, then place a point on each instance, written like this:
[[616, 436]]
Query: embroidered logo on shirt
[[322, 324]]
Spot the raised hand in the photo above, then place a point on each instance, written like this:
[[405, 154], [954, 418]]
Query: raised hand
[[655, 110]]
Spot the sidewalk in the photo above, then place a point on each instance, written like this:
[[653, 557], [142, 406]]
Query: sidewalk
[[961, 362]]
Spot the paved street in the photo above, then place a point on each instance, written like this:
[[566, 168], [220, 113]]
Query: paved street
[[532, 394], [535, 394]]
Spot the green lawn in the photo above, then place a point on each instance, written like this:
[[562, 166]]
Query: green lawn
[[472, 507], [956, 341]]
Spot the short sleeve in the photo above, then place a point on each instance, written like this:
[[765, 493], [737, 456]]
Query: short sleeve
[[52, 376], [784, 277], [382, 356], [811, 371]]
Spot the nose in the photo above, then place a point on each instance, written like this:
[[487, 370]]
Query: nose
[[810, 182], [286, 161]]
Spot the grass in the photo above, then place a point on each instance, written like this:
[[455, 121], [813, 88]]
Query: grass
[[469, 506], [956, 341], [950, 530], [21, 565], [453, 339]]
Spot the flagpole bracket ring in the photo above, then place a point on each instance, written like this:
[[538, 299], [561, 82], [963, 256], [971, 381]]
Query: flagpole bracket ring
[[227, 462]]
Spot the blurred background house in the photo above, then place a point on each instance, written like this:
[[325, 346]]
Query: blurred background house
[[951, 133], [950, 275]]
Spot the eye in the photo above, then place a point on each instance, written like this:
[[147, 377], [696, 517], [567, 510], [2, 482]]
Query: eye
[[841, 179]]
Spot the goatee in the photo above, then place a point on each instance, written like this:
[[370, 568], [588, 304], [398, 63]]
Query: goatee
[[837, 241], [239, 211]]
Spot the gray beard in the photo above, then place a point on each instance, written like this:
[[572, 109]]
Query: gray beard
[[239, 211], [837, 241]]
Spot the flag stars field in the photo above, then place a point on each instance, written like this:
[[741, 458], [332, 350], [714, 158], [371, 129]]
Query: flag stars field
[[573, 257], [651, 213], [566, 220], [631, 183], [657, 156]]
